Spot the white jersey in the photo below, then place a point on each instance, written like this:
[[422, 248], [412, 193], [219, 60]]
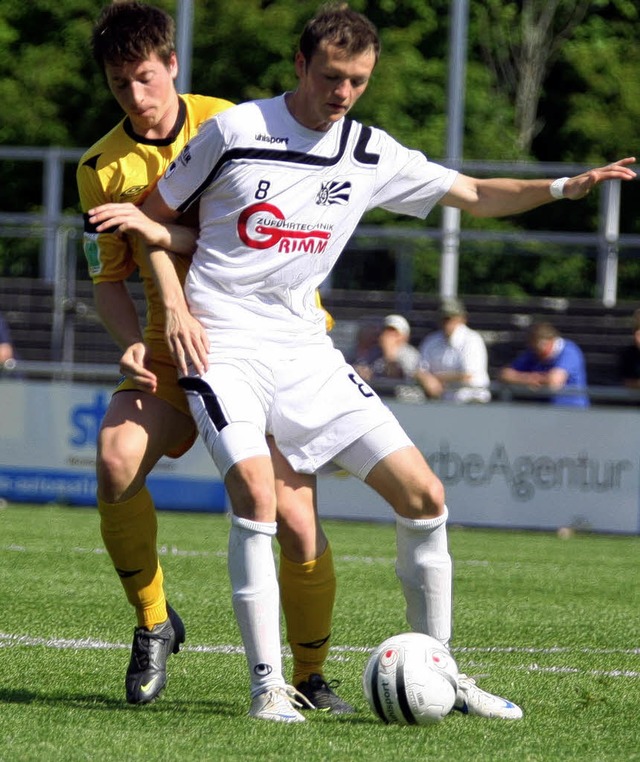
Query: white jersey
[[463, 352], [278, 203]]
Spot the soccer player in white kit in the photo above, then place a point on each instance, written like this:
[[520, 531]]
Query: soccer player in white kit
[[282, 184]]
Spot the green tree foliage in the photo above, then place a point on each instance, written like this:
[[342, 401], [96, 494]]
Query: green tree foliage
[[586, 93], [520, 42], [603, 109], [47, 81]]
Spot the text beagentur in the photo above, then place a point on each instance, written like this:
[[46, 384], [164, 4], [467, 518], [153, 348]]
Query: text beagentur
[[524, 474]]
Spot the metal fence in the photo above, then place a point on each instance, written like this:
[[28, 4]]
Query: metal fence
[[54, 227], [59, 235]]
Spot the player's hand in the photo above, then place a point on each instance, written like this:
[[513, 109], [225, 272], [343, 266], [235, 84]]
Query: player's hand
[[126, 218], [133, 365], [537, 380], [187, 341], [577, 187]]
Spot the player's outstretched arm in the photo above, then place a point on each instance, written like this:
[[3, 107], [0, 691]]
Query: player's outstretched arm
[[128, 218], [504, 196]]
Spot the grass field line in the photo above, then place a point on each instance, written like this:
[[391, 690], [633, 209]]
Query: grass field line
[[339, 652], [173, 550]]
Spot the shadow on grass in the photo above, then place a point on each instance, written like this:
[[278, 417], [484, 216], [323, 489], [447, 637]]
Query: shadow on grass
[[104, 702], [94, 701]]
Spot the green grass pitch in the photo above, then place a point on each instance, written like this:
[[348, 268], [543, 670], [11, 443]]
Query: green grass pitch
[[551, 623]]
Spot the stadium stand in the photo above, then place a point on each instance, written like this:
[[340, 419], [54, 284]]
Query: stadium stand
[[503, 323], [44, 331]]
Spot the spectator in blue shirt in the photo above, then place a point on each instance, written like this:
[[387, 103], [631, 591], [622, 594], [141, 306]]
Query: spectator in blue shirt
[[550, 364]]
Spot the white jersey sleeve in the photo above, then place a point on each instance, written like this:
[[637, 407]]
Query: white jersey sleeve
[[407, 182], [180, 190]]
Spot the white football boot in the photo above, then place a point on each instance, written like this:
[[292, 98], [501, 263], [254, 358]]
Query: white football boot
[[473, 700], [279, 704]]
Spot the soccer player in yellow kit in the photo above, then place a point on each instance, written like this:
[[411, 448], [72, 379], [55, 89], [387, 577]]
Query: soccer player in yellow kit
[[148, 416]]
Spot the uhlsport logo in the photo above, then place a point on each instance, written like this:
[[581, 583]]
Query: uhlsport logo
[[263, 226], [271, 139]]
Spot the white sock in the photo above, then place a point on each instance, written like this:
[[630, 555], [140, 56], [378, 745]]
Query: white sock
[[256, 600], [423, 567]]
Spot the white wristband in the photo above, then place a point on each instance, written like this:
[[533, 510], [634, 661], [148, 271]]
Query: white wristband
[[557, 187]]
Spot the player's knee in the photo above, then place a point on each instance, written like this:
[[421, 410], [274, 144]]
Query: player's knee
[[251, 489], [300, 536], [118, 470], [425, 498]]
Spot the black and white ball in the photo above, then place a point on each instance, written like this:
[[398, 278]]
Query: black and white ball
[[411, 679]]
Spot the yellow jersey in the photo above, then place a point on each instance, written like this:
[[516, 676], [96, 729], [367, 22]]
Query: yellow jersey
[[121, 167]]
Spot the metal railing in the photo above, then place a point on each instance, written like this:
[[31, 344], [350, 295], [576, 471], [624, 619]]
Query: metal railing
[[608, 241], [405, 391]]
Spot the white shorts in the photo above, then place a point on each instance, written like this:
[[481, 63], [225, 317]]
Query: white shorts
[[313, 403]]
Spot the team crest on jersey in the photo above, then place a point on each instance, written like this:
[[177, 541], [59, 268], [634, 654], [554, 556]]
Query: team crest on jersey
[[334, 192]]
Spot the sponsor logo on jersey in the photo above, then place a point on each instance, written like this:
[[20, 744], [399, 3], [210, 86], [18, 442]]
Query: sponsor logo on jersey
[[334, 192], [272, 139], [263, 226], [91, 249]]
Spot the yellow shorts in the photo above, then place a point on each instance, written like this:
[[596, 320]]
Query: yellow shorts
[[168, 390]]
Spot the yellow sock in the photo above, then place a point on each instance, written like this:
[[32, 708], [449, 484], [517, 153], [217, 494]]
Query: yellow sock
[[307, 593], [129, 531]]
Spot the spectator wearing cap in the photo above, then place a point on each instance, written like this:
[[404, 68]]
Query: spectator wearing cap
[[629, 357], [453, 360], [394, 358], [550, 364]]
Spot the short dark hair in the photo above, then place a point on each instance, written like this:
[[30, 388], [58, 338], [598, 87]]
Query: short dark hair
[[127, 31], [341, 26], [542, 332]]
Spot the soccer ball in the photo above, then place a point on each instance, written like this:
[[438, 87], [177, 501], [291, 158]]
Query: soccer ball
[[411, 679]]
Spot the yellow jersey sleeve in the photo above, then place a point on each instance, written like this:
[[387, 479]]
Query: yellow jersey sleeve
[[330, 322]]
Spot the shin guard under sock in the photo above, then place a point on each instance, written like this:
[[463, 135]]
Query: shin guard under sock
[[424, 569], [130, 531], [308, 592], [256, 600]]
